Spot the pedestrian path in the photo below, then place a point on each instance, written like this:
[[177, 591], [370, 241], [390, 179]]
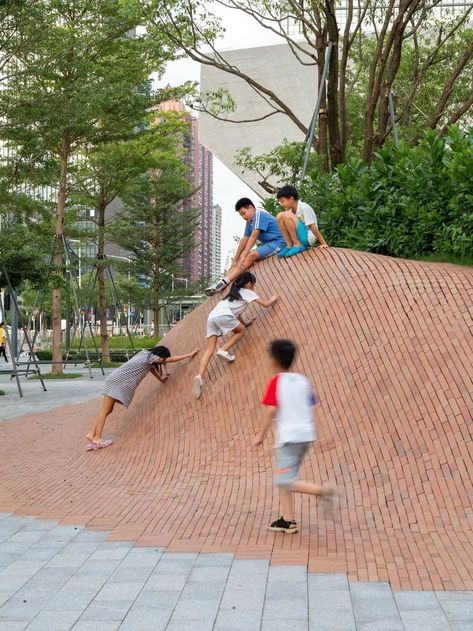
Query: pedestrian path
[[56, 578]]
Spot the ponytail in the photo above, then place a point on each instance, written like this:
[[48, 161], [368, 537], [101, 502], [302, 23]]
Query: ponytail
[[162, 352], [238, 283]]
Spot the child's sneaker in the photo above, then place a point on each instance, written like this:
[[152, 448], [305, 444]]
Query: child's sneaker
[[282, 253], [197, 387], [216, 287], [294, 250], [226, 356], [281, 525]]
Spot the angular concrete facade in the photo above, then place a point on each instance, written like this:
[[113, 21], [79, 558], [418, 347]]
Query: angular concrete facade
[[276, 68]]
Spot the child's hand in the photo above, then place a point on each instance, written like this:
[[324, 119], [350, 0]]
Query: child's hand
[[258, 439], [250, 321], [165, 377], [194, 352], [323, 246], [273, 299]]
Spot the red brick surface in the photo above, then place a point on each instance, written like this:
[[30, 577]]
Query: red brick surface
[[388, 344]]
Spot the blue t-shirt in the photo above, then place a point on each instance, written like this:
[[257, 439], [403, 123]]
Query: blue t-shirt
[[267, 226]]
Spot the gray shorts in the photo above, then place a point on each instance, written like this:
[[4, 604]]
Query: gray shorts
[[288, 462], [220, 325]]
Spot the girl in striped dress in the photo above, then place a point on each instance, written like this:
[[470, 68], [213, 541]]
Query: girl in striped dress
[[121, 384]]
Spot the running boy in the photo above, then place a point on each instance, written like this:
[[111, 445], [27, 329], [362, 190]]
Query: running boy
[[297, 222], [121, 384], [290, 399], [260, 226], [226, 317]]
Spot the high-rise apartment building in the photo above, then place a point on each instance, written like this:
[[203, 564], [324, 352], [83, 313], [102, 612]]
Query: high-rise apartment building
[[216, 238], [202, 261]]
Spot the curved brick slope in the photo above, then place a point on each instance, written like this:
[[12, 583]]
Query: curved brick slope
[[388, 344]]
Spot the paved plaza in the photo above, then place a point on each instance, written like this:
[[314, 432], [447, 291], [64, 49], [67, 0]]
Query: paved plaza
[[56, 578]]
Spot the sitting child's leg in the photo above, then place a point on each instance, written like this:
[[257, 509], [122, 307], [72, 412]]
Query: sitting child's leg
[[287, 222]]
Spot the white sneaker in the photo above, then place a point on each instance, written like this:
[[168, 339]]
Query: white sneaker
[[216, 287], [226, 356], [197, 387]]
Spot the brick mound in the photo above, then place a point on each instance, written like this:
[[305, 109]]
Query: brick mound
[[389, 348]]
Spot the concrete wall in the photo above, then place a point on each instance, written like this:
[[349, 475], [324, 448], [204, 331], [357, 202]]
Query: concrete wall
[[277, 69]]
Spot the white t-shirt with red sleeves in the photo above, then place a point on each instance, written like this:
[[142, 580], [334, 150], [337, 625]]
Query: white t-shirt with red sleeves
[[292, 395]]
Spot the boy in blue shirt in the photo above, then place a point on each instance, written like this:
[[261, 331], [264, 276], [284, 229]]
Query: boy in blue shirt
[[260, 226]]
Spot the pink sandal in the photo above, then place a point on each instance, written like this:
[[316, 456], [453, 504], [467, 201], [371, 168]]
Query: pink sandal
[[100, 445]]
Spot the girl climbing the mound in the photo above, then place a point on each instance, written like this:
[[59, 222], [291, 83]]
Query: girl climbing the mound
[[121, 384], [226, 317]]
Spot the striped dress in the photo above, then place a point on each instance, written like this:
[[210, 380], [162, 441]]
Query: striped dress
[[122, 383]]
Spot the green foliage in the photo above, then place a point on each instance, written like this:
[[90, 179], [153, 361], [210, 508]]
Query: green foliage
[[24, 253], [409, 201]]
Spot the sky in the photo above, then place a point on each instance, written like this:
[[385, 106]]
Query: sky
[[227, 186]]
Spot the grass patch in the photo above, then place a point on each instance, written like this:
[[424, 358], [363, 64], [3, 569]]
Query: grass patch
[[107, 364], [2, 392], [66, 375]]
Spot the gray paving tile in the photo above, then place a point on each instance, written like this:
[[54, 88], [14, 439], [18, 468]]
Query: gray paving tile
[[107, 610], [47, 576], [209, 560], [16, 609], [102, 625], [10, 625], [331, 621], [458, 610], [146, 619], [154, 599], [70, 600], [330, 600], [206, 574], [235, 620], [165, 582], [26, 536], [461, 595], [461, 626], [142, 557], [279, 590], [108, 551], [192, 625], [195, 609], [54, 621], [285, 609], [40, 524], [102, 568], [129, 574], [293, 625], [327, 581], [423, 620], [417, 601], [119, 591], [203, 591], [248, 568], [92, 535], [62, 533], [369, 590], [21, 567], [385, 624], [296, 573]]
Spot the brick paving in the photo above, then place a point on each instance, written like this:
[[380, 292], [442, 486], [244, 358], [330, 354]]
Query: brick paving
[[388, 345]]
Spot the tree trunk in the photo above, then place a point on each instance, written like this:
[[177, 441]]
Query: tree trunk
[[333, 121], [58, 245], [322, 144], [155, 309], [101, 284]]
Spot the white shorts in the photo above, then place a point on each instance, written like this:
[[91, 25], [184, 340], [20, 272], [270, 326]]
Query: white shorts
[[219, 325]]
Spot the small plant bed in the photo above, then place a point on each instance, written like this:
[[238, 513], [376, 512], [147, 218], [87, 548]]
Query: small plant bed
[[66, 375]]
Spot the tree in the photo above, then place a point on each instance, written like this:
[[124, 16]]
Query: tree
[[109, 171], [157, 225], [393, 26], [76, 75]]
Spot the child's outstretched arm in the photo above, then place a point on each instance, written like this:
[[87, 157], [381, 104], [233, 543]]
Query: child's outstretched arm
[[267, 303], [179, 358], [268, 416]]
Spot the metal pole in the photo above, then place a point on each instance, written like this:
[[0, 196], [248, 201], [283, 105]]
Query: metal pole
[[392, 115], [315, 116], [14, 326]]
